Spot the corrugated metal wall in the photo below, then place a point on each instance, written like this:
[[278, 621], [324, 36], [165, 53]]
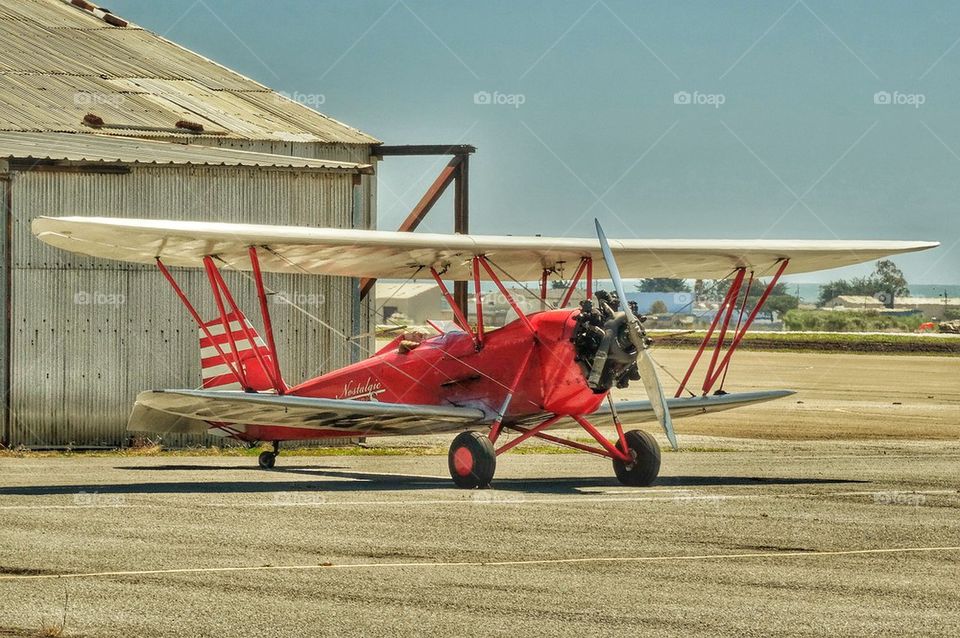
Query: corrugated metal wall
[[4, 300], [87, 335]]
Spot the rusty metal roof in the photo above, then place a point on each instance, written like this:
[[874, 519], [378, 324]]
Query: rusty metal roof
[[109, 149], [62, 62]]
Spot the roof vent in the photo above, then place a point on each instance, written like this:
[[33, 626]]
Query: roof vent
[[113, 20], [193, 127], [99, 12], [92, 120]]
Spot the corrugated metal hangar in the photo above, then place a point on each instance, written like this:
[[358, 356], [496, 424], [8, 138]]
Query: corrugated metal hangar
[[101, 117]]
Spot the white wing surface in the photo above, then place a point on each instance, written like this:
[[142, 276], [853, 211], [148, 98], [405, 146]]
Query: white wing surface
[[386, 254]]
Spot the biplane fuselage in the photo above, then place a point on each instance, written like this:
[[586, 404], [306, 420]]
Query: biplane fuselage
[[449, 370]]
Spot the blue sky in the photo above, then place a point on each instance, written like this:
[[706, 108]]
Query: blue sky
[[792, 119]]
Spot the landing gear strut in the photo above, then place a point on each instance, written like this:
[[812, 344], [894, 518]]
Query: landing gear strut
[[646, 459], [268, 459], [472, 460]]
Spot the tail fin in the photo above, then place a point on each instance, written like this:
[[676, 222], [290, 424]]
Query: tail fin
[[217, 372]]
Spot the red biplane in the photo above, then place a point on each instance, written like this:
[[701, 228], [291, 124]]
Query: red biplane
[[545, 371]]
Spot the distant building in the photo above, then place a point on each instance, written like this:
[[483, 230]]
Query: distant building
[[854, 302], [927, 306], [416, 301]]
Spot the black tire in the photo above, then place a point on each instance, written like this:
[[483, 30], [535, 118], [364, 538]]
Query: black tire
[[472, 460], [267, 460], [646, 465]]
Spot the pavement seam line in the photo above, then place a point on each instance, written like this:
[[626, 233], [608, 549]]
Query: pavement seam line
[[511, 563]]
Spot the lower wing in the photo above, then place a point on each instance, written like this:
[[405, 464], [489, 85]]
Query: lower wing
[[265, 416], [631, 412], [270, 417]]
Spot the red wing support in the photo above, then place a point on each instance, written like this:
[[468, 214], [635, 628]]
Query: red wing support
[[478, 262], [222, 293], [478, 298], [586, 264], [196, 316], [715, 371], [455, 307], [495, 428], [607, 449], [506, 294], [265, 315]]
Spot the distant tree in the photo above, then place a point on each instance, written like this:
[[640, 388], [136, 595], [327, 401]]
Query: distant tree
[[663, 284], [884, 282], [890, 278], [833, 289], [658, 308], [781, 304]]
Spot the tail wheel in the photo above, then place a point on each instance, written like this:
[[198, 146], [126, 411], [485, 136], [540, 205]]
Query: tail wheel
[[267, 460], [472, 460], [646, 460]]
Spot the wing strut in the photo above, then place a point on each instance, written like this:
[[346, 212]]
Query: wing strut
[[455, 307], [586, 263], [717, 371], [478, 300], [506, 294], [495, 428], [217, 282], [222, 293], [746, 326], [215, 287], [265, 315], [196, 316]]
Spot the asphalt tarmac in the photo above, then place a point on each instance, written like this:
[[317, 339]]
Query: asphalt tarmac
[[746, 538]]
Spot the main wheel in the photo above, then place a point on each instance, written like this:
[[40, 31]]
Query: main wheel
[[472, 460], [267, 460], [646, 460]]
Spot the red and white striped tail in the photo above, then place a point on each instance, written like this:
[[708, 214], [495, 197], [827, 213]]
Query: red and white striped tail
[[215, 370]]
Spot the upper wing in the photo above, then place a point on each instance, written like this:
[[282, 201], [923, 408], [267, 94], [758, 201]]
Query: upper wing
[[384, 254], [194, 408]]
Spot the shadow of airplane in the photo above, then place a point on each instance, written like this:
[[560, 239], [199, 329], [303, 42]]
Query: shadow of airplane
[[330, 479]]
